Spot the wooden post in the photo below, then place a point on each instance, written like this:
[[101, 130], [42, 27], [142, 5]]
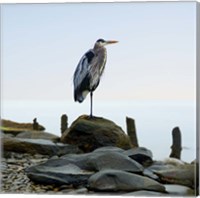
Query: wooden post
[[176, 143], [64, 123], [35, 124], [131, 131]]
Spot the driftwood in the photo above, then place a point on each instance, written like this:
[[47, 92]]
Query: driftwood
[[64, 123], [176, 143], [131, 131]]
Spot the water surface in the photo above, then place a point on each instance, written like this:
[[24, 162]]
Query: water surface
[[154, 119]]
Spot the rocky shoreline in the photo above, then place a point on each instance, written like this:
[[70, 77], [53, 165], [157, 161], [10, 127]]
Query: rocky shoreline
[[91, 157]]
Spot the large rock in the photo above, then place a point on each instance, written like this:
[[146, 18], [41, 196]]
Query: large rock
[[38, 135], [92, 133], [87, 162], [117, 180], [114, 160], [58, 175], [140, 154], [183, 175], [96, 161], [37, 146]]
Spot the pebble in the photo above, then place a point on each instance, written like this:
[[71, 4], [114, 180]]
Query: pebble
[[81, 191]]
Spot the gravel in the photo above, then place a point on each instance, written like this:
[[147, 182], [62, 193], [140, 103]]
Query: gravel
[[15, 180]]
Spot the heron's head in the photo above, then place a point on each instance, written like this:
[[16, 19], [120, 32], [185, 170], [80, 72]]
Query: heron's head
[[102, 42]]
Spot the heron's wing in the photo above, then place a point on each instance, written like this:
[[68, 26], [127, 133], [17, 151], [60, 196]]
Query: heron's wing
[[82, 77]]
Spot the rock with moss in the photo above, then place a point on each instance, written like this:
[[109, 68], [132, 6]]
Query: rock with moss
[[38, 135], [92, 133], [14, 128]]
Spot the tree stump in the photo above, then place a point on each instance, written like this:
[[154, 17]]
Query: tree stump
[[131, 131], [176, 143]]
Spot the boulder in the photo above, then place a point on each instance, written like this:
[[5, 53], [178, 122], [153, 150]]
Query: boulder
[[96, 161], [69, 174], [117, 180], [37, 146], [38, 135], [141, 155], [183, 175], [91, 133], [73, 167], [114, 160]]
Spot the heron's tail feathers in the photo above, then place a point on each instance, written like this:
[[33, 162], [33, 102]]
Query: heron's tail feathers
[[80, 96]]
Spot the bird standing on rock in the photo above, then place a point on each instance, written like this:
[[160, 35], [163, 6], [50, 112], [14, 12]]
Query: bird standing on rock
[[89, 71]]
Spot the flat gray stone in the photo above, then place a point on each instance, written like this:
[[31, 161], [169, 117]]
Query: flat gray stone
[[109, 148], [72, 167], [117, 180], [37, 146], [160, 167], [96, 161], [61, 175], [140, 154], [115, 160], [150, 174], [175, 189]]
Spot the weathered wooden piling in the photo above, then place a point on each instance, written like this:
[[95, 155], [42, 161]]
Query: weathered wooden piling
[[64, 123], [131, 131], [35, 124], [176, 143]]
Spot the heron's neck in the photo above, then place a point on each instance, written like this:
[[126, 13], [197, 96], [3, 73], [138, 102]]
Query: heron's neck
[[101, 50]]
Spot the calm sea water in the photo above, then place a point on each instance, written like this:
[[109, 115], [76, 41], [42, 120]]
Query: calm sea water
[[154, 119]]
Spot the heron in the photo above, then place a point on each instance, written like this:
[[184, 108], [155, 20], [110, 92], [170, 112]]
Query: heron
[[89, 71]]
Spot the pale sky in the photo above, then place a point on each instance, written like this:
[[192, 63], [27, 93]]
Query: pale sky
[[154, 59]]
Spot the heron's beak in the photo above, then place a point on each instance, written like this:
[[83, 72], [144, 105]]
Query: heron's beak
[[111, 42]]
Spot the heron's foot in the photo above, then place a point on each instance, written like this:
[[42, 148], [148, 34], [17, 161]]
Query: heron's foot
[[91, 116]]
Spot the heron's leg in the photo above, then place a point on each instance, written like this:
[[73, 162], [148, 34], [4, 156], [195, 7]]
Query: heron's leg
[[91, 104]]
